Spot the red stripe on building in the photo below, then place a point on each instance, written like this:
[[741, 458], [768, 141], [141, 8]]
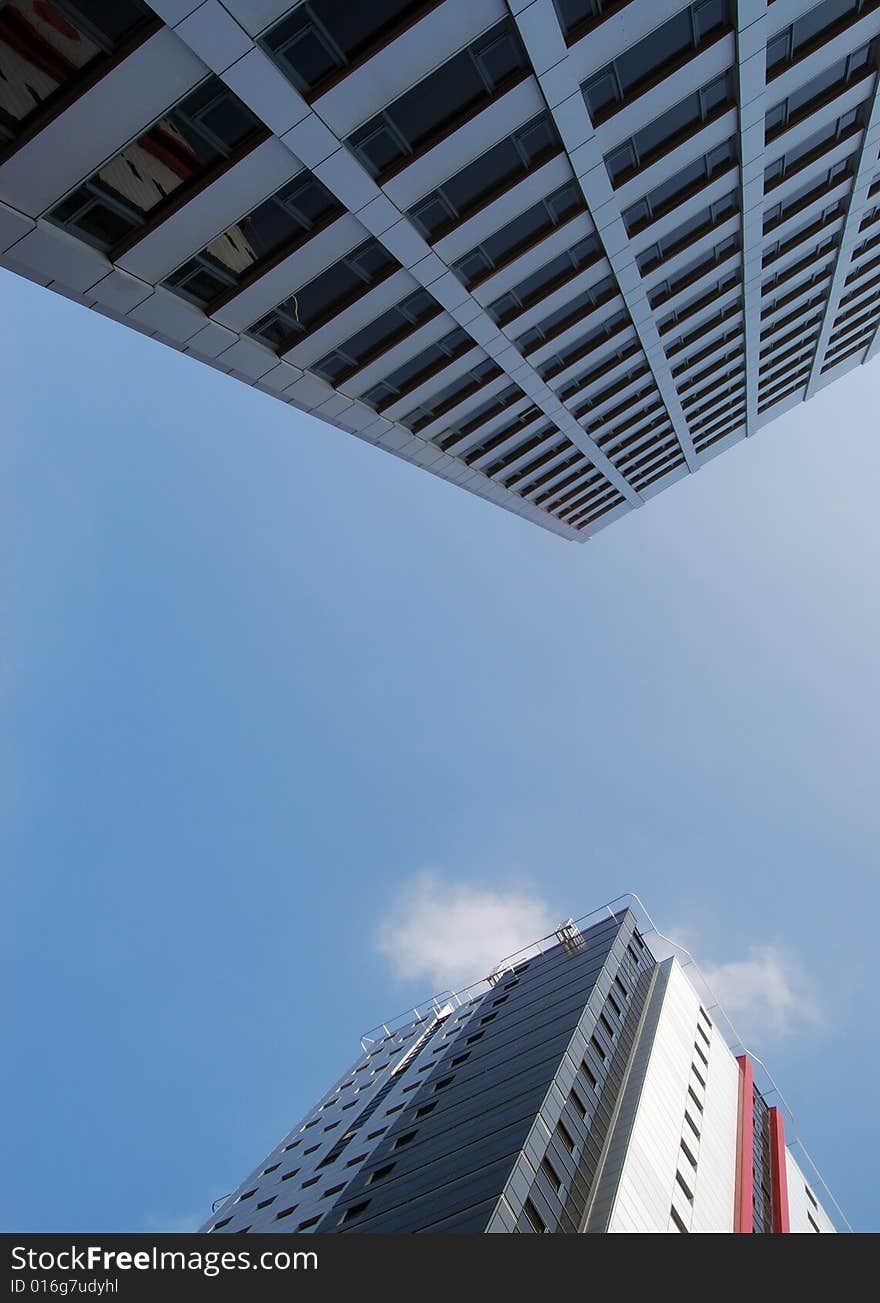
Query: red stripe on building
[[778, 1174], [743, 1212]]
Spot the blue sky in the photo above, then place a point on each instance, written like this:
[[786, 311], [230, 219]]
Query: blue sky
[[258, 677]]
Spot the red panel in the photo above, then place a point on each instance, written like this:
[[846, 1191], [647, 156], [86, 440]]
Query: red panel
[[743, 1212], [778, 1174]]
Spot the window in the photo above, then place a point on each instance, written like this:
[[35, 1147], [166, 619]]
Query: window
[[621, 988], [486, 177], [334, 1189], [689, 1194], [248, 1194], [816, 27], [802, 154], [264, 1203], [254, 243], [542, 282], [459, 88], [692, 1124], [568, 315], [694, 1097], [489, 1017], [418, 369], [443, 1083], [806, 194], [285, 1212], [678, 1222], [49, 57], [477, 1036], [500, 248], [381, 1172], [320, 299], [693, 229], [189, 146], [813, 1223], [267, 1170], [376, 338], [322, 40], [606, 1026], [806, 99], [533, 1218], [812, 1198], [551, 1174], [700, 1055], [688, 1155], [355, 1210], [565, 1136], [671, 128], [673, 285], [424, 1109], [358, 1158], [313, 1180], [586, 344], [224, 1222], [672, 192], [309, 1221], [287, 1176], [656, 56]]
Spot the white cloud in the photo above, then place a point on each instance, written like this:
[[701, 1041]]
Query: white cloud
[[766, 995], [450, 934]]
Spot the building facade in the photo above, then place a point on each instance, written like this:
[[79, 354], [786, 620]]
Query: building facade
[[582, 1087], [558, 252]]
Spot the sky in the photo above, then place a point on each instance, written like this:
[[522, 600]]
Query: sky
[[279, 713]]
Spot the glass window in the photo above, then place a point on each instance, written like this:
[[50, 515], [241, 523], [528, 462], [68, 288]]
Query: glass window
[[818, 90], [567, 315], [452, 394], [478, 182], [534, 287], [585, 344], [696, 226], [318, 300], [173, 157], [520, 233], [323, 38], [818, 25], [275, 226], [667, 130], [577, 16], [47, 50], [418, 368], [801, 155], [642, 64], [679, 187], [464, 83], [378, 336]]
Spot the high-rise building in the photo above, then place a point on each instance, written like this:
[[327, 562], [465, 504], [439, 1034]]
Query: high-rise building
[[559, 252], [582, 1087]]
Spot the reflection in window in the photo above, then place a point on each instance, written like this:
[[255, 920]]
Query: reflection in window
[[322, 39], [47, 49], [525, 230], [379, 335], [318, 300], [276, 226], [455, 90], [184, 149], [475, 185], [672, 192], [665, 132], [658, 54]]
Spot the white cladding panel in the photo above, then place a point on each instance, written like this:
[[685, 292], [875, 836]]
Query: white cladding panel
[[805, 1213]]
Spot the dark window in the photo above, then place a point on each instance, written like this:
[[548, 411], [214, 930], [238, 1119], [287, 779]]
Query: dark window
[[548, 278], [460, 87], [807, 193], [670, 193], [693, 271], [355, 1210], [49, 55], [443, 1083], [579, 348], [693, 229], [267, 1170], [334, 1189], [411, 374], [287, 1176], [264, 1203], [285, 1212], [275, 227], [676, 1217], [309, 1221], [816, 27], [248, 1194], [519, 234], [806, 99], [551, 1174], [373, 340], [174, 157], [673, 126], [323, 39], [565, 1137], [321, 298], [381, 1172], [224, 1222], [802, 154], [424, 1109], [657, 55], [487, 176], [576, 17], [568, 315], [533, 1217]]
